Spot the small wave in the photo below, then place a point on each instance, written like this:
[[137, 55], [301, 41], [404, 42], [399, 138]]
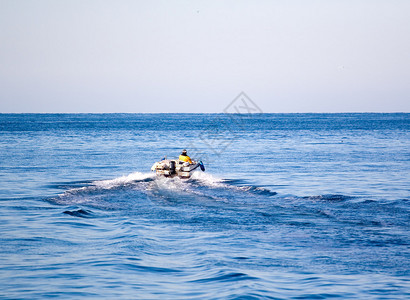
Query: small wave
[[67, 185], [227, 277], [81, 213], [329, 197], [258, 190]]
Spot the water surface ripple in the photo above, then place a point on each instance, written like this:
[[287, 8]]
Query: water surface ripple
[[299, 206]]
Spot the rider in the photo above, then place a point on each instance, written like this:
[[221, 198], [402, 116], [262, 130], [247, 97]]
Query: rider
[[185, 157]]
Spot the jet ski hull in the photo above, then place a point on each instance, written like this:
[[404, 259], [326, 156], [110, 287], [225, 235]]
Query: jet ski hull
[[174, 168]]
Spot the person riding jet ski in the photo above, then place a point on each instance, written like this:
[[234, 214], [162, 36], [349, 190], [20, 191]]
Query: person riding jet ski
[[184, 157], [182, 167]]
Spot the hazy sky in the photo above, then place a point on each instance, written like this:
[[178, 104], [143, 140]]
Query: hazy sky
[[197, 56]]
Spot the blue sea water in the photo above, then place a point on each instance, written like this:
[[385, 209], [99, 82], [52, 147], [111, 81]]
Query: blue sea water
[[291, 206]]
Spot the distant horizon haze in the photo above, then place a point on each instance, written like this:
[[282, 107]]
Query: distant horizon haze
[[197, 56]]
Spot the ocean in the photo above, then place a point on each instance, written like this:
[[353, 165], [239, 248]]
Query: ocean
[[291, 206]]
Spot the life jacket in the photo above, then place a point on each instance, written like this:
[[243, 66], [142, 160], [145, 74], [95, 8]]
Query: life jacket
[[185, 158]]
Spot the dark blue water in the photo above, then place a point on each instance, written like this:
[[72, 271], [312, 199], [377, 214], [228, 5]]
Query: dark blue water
[[291, 206]]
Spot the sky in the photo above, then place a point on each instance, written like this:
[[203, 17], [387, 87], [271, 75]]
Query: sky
[[197, 56]]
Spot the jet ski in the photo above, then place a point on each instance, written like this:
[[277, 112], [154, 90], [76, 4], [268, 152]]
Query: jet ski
[[175, 167]]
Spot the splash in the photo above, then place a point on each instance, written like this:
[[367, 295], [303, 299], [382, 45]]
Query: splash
[[124, 190], [108, 184], [209, 180], [123, 180]]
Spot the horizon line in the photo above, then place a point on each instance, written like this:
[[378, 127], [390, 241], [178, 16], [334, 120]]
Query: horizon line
[[208, 113]]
